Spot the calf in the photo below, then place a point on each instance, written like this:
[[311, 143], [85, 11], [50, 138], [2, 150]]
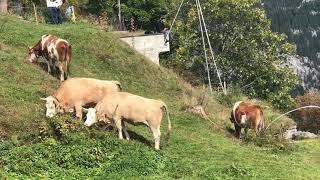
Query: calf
[[122, 106], [246, 115], [76, 93], [55, 50]]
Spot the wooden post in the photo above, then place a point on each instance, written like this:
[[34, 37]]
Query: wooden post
[[73, 15], [35, 13], [119, 15], [4, 6]]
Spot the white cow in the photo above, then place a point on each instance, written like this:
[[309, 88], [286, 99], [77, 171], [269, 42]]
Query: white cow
[[76, 93], [122, 106]]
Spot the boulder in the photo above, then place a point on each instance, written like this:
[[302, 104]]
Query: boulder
[[294, 134]]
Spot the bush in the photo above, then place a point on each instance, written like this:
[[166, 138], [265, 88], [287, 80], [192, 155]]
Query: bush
[[308, 119], [233, 95], [60, 126]]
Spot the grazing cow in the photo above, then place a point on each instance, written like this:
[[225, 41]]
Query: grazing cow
[[55, 50], [122, 106], [76, 93], [246, 115]]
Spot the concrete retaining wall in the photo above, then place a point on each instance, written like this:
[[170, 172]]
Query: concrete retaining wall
[[149, 45]]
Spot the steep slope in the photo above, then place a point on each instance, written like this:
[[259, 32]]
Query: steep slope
[[196, 148]]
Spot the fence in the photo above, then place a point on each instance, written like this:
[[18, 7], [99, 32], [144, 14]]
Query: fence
[[39, 13]]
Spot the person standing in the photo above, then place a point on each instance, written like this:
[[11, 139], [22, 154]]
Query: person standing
[[163, 28], [160, 26], [54, 10]]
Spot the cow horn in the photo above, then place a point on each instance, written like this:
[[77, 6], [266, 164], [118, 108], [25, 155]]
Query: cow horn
[[85, 110], [43, 99]]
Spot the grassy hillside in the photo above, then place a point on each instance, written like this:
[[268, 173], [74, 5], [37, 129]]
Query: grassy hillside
[[197, 149]]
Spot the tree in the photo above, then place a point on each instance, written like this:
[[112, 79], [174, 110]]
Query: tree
[[247, 52], [145, 13]]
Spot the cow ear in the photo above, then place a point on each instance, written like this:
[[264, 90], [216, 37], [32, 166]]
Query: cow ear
[[85, 110]]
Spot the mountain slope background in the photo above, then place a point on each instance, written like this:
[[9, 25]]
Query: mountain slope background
[[36, 147], [299, 20]]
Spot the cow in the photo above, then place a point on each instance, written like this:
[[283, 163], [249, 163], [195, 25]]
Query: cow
[[56, 51], [122, 106], [246, 115], [76, 93]]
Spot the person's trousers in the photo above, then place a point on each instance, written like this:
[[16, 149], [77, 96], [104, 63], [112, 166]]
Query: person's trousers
[[55, 15]]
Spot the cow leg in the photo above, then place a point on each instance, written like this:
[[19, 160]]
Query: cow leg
[[246, 131], [125, 131], [49, 68], [118, 123], [78, 108], [61, 72], [156, 134], [238, 130], [255, 129]]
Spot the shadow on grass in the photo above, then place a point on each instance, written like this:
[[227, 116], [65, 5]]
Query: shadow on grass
[[139, 138], [133, 135], [55, 72], [231, 131]]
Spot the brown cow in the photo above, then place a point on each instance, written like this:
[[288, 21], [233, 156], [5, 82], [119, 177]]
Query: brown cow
[[122, 106], [246, 115], [76, 93], [55, 50]]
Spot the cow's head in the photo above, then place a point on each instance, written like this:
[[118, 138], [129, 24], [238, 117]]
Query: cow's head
[[34, 54], [243, 119], [91, 117], [52, 106]]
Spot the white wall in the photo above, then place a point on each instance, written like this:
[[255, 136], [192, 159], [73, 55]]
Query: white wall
[[149, 45]]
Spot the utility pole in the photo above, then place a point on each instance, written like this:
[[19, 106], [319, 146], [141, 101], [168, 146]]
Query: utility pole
[[119, 15], [4, 6]]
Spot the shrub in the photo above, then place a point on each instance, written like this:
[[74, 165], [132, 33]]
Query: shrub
[[60, 126], [308, 119], [233, 95]]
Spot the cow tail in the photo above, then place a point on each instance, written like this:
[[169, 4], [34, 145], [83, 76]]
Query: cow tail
[[164, 107], [261, 124], [68, 59]]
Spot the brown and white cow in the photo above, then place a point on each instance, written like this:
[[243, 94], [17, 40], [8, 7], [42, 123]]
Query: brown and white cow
[[246, 115], [56, 51], [121, 106], [76, 93]]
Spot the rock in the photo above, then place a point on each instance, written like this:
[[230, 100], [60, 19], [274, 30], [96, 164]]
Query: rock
[[303, 135], [294, 134], [196, 109]]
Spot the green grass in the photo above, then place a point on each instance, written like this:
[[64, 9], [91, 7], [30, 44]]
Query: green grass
[[196, 149]]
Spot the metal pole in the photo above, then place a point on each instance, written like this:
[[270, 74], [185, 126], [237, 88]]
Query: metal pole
[[204, 47], [214, 62], [175, 17]]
